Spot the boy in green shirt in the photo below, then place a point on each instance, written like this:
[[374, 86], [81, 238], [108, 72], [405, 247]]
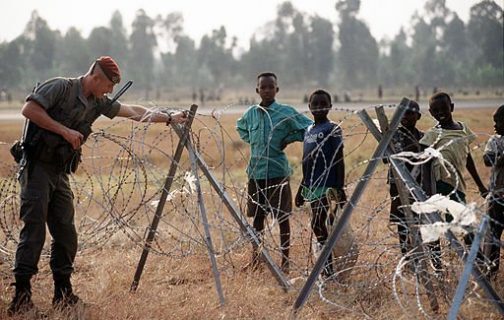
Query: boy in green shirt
[[269, 127]]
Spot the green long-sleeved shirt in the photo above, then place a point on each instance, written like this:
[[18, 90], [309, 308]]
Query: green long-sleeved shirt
[[268, 130]]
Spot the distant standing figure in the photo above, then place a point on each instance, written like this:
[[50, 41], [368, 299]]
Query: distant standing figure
[[202, 96], [380, 92], [347, 97]]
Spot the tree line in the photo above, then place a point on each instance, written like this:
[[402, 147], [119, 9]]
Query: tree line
[[436, 49]]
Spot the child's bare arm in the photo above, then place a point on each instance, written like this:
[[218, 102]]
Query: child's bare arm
[[297, 125], [474, 174]]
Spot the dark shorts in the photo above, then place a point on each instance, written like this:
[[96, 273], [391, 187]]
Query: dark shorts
[[271, 195]]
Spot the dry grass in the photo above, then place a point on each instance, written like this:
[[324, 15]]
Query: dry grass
[[183, 288]]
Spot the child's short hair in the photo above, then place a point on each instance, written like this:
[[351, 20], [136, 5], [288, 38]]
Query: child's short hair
[[320, 91], [499, 113], [440, 96], [267, 74]]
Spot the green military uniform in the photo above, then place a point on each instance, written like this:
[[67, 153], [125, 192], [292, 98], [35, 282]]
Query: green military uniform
[[46, 196]]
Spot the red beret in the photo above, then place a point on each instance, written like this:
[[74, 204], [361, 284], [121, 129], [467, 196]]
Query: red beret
[[110, 68]]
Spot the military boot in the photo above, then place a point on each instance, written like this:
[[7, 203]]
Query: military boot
[[21, 302], [63, 293]]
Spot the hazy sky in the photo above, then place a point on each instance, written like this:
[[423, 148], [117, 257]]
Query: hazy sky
[[240, 17]]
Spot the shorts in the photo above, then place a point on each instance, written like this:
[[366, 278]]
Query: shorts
[[269, 196]]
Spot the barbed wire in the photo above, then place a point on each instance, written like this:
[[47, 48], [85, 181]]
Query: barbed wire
[[118, 185]]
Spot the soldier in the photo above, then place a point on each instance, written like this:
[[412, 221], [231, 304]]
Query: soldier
[[61, 112]]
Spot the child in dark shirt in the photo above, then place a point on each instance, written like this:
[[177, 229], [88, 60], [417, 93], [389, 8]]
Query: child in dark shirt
[[405, 139], [323, 169]]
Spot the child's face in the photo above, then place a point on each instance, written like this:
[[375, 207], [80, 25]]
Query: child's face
[[499, 123], [410, 119], [441, 110], [319, 105], [267, 88]]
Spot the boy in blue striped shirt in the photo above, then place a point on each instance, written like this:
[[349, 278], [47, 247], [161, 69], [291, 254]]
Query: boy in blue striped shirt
[[323, 169]]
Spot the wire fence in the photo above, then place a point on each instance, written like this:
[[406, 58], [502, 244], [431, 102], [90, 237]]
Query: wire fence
[[118, 185]]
